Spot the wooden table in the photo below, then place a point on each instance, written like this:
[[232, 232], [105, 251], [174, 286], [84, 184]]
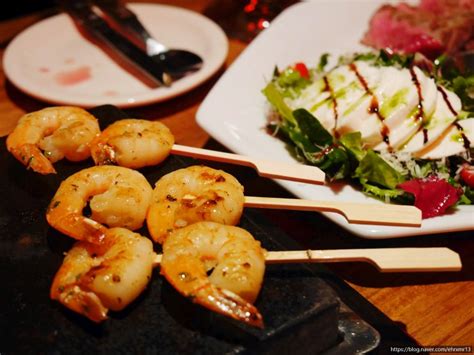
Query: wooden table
[[435, 308]]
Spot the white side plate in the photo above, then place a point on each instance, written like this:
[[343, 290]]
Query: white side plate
[[53, 62]]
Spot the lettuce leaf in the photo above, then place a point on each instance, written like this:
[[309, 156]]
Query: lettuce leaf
[[313, 129], [373, 169], [340, 159], [352, 141], [468, 195], [319, 146], [275, 97], [378, 178], [289, 82], [386, 194]]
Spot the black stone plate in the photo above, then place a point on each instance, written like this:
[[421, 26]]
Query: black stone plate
[[306, 309]]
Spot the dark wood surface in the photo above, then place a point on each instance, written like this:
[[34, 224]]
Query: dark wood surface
[[434, 308]]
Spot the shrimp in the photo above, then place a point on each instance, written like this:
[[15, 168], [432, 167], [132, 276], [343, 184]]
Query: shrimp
[[194, 194], [119, 197], [43, 137], [237, 262], [95, 278], [132, 143]]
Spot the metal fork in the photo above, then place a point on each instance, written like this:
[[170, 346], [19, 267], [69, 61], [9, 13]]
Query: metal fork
[[178, 62]]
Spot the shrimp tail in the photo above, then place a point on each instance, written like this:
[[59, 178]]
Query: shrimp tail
[[82, 302], [228, 303], [104, 154], [79, 227], [32, 157]]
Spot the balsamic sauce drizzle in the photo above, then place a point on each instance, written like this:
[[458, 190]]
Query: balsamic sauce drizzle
[[448, 103], [329, 89], [465, 140], [420, 114], [374, 105]]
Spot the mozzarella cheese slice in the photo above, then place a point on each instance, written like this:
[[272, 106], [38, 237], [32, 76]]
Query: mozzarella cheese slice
[[392, 108], [456, 139], [442, 118]]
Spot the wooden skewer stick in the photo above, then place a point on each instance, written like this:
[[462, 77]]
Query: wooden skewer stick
[[269, 169], [354, 212], [386, 259]]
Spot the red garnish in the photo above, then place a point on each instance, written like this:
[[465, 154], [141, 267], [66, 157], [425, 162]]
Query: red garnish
[[432, 195], [302, 69], [467, 174]]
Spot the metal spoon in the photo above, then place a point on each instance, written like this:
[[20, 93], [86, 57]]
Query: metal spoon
[[178, 62]]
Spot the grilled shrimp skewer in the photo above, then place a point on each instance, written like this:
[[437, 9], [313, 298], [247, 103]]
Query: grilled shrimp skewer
[[237, 262], [200, 193], [43, 137], [119, 197], [46, 136], [194, 194], [95, 278], [133, 144]]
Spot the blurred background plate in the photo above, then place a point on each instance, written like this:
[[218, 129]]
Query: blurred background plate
[[234, 112], [53, 62]]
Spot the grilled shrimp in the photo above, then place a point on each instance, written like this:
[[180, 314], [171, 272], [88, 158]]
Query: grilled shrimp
[[95, 278], [194, 194], [43, 137], [119, 197], [132, 143], [237, 262]]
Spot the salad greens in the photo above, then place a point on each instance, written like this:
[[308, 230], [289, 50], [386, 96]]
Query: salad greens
[[346, 157]]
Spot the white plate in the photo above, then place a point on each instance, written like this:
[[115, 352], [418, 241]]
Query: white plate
[[234, 110], [52, 61]]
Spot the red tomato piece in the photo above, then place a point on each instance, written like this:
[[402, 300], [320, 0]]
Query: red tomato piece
[[302, 69], [467, 174]]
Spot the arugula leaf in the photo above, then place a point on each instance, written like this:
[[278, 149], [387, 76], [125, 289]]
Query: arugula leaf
[[276, 72], [323, 62]]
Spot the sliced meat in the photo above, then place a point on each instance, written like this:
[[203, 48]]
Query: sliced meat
[[432, 28]]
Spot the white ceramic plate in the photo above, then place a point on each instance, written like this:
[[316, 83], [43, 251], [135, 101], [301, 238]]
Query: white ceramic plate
[[52, 61], [234, 110]]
